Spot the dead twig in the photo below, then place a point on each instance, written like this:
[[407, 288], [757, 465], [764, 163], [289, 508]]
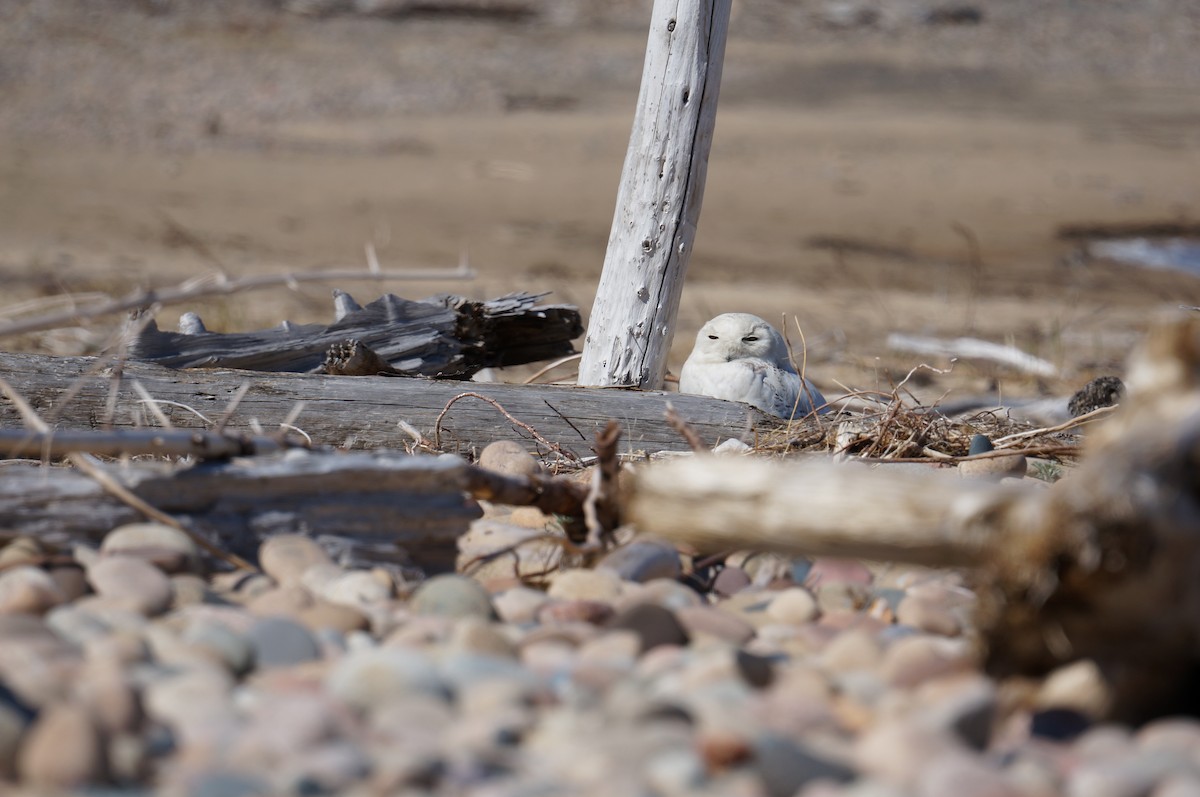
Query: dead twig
[[1094, 415], [552, 496], [685, 431], [601, 512], [570, 358], [437, 425]]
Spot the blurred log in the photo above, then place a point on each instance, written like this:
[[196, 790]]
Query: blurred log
[[1105, 565], [361, 411], [445, 336], [365, 508], [973, 349]]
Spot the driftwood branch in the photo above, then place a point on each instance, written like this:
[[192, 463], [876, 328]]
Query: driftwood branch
[[1104, 565], [973, 348], [446, 336], [659, 198], [379, 507], [362, 412]]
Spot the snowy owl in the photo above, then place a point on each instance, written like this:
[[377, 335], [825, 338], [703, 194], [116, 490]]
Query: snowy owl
[[740, 357]]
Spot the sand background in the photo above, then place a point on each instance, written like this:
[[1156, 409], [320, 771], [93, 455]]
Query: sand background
[[145, 142]]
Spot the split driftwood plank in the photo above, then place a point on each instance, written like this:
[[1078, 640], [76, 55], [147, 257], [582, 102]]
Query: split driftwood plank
[[363, 411], [365, 508], [446, 336], [1103, 565]]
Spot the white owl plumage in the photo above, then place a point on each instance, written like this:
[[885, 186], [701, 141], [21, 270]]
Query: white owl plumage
[[741, 357]]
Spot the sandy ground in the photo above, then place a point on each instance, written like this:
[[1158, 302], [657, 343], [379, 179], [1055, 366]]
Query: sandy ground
[[145, 143]]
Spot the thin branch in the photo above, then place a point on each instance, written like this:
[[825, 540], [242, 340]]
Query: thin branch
[[685, 431], [601, 512], [234, 401], [1094, 415], [437, 425], [541, 372]]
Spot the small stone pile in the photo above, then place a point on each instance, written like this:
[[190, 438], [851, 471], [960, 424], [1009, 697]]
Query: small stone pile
[[136, 667]]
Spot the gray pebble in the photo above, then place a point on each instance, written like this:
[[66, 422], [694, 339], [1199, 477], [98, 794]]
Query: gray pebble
[[280, 642], [452, 596], [369, 679], [643, 560], [229, 784], [785, 767]]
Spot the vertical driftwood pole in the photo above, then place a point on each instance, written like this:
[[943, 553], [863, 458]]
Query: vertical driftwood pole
[[658, 202]]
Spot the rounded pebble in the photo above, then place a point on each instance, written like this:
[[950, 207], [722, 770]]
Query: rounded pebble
[[63, 750], [369, 679], [644, 560], [28, 589], [509, 458], [653, 624], [452, 596], [795, 605], [280, 642], [580, 584], [285, 557], [166, 547], [132, 582]]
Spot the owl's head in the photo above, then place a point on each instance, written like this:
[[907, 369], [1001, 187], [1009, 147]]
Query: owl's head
[[737, 336]]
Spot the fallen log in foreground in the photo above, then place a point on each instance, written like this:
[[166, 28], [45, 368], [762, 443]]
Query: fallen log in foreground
[[365, 508], [1104, 565], [362, 411]]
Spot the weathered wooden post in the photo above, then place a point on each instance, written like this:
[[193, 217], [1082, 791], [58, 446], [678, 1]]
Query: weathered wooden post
[[658, 202]]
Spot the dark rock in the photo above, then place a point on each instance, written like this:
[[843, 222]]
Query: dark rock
[[785, 767], [730, 581], [980, 444], [654, 625], [644, 560], [1059, 724], [955, 15], [755, 670]]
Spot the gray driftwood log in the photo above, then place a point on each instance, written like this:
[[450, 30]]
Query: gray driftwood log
[[363, 411], [365, 508], [446, 336]]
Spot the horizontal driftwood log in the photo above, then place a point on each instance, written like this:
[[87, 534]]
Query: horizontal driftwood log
[[384, 507], [381, 507], [446, 336], [362, 411]]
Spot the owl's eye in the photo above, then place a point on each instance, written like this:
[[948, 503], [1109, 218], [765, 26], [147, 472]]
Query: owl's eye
[[749, 338], [713, 337]]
